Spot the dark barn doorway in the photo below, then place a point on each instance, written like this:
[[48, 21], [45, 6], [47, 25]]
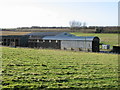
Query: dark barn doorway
[[95, 45]]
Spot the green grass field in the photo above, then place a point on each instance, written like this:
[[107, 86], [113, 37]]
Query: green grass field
[[24, 68], [105, 38]]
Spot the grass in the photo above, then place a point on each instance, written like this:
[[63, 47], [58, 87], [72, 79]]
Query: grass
[[105, 38], [25, 68]]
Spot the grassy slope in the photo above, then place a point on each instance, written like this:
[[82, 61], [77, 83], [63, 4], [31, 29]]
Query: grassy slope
[[111, 39], [42, 68]]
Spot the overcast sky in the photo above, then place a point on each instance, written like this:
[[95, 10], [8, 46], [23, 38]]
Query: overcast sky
[[27, 13]]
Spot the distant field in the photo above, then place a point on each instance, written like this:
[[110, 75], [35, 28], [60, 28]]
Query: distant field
[[12, 33], [24, 68], [105, 38], [44, 29]]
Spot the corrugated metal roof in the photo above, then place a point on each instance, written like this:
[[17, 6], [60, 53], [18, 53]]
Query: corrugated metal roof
[[56, 36], [67, 36], [42, 34]]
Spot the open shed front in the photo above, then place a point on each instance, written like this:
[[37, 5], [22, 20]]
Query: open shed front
[[15, 40], [53, 44], [11, 40]]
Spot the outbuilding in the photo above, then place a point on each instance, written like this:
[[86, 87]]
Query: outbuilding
[[72, 42], [14, 40], [116, 49]]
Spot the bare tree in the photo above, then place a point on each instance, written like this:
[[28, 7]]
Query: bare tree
[[84, 24], [75, 24]]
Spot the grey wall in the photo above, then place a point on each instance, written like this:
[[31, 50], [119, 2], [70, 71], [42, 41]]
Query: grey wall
[[76, 45]]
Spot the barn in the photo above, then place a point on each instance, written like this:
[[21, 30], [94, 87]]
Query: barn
[[55, 40], [68, 41]]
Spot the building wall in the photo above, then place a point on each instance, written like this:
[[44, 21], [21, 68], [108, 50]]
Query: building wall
[[39, 43], [76, 45], [15, 41], [10, 41]]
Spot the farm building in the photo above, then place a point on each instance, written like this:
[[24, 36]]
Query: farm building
[[14, 40], [56, 40], [116, 49], [72, 42]]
